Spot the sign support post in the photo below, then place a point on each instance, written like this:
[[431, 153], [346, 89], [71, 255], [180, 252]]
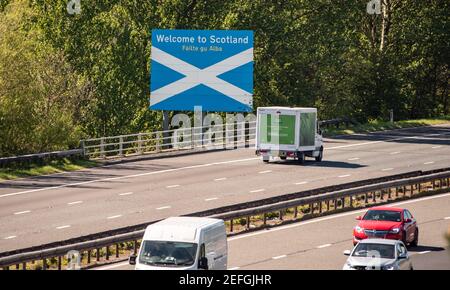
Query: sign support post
[[165, 129]]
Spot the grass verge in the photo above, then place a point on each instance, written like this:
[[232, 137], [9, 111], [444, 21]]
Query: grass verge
[[49, 167], [377, 125]]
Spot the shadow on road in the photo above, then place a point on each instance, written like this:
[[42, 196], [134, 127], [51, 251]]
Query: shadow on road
[[323, 164], [420, 248]]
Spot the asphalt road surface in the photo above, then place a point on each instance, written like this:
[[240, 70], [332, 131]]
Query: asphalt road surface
[[319, 243], [45, 209]]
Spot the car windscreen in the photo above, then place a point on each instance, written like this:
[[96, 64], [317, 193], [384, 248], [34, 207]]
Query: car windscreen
[[374, 250], [164, 253], [383, 215]]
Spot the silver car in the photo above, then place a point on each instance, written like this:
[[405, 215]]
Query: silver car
[[378, 254]]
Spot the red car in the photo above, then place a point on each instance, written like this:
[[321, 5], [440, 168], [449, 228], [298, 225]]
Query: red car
[[387, 223]]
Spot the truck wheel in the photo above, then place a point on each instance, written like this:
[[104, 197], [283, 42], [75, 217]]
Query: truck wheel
[[283, 157], [301, 158], [319, 158]]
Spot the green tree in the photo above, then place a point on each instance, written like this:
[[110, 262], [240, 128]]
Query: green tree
[[40, 96]]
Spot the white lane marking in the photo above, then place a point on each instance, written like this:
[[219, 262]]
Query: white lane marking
[[301, 183], [10, 237], [22, 212], [387, 169], [323, 246], [196, 166], [279, 257], [130, 176], [354, 159], [436, 147], [220, 179], [264, 172], [395, 153], [211, 199], [173, 186], [428, 163], [234, 268], [333, 217], [257, 190], [447, 218], [63, 227], [126, 193], [345, 175], [75, 202], [114, 217], [424, 252], [163, 207]]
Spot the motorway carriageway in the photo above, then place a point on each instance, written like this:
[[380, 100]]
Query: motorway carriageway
[[51, 208], [319, 243]]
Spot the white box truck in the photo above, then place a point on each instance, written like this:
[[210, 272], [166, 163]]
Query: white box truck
[[288, 132], [183, 243]]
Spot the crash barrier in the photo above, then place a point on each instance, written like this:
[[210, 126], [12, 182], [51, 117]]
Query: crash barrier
[[238, 218], [218, 136], [337, 122]]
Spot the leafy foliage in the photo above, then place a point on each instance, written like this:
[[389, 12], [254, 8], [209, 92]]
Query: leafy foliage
[[41, 96]]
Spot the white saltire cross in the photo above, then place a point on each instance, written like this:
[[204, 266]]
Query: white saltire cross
[[195, 76]]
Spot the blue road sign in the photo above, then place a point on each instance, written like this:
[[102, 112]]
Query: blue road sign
[[208, 68]]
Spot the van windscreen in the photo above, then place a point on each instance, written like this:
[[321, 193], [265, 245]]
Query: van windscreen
[[164, 253]]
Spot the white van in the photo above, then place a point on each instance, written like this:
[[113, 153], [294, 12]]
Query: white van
[[183, 243]]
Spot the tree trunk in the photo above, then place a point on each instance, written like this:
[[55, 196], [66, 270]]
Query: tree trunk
[[386, 23]]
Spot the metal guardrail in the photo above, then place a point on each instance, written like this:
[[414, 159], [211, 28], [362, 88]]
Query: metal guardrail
[[219, 136], [30, 158], [388, 189], [247, 219]]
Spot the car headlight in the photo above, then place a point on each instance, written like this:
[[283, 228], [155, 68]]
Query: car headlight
[[359, 229], [395, 230]]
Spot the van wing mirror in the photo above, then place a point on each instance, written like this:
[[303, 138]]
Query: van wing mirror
[[132, 259], [358, 218], [203, 263], [403, 256], [347, 252]]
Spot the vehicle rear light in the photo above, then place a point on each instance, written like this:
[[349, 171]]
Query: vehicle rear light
[[290, 154]]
